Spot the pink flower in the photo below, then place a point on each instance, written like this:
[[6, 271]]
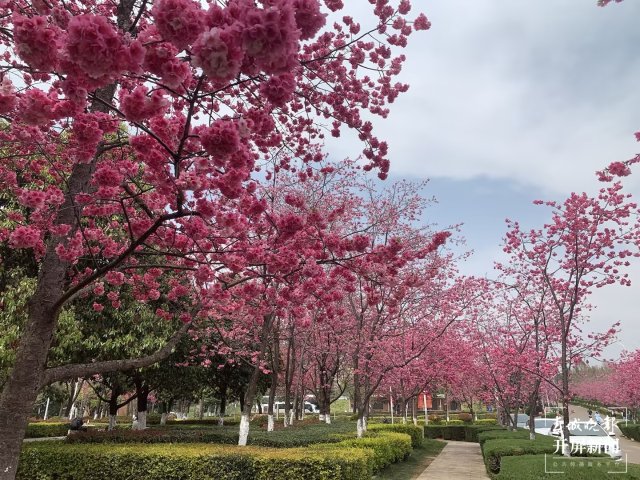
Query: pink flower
[[221, 139], [107, 176], [36, 107], [278, 89], [95, 47], [7, 95], [421, 23], [36, 41], [334, 5], [308, 18], [24, 237], [98, 307], [114, 278], [404, 7], [619, 169], [137, 106], [271, 38], [32, 198], [219, 53], [178, 21]]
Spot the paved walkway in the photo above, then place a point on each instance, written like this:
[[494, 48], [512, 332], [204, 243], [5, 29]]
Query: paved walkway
[[628, 447], [457, 460]]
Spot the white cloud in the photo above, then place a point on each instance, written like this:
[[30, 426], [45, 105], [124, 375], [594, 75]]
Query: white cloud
[[539, 93]]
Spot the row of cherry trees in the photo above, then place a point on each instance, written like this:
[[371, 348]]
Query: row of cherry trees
[[168, 147]]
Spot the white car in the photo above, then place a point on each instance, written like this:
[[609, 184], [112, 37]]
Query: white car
[[592, 438], [544, 426]]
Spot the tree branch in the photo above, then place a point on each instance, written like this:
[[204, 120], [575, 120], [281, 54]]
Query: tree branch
[[57, 374]]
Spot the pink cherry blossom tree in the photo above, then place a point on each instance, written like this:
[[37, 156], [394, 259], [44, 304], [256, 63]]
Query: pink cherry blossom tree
[[586, 245]]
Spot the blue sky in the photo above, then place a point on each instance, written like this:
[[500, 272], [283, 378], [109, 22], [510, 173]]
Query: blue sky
[[512, 101]]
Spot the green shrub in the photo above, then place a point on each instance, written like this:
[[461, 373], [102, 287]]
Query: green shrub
[[486, 421], [468, 433], [493, 450], [290, 437], [46, 429], [630, 430], [454, 422], [501, 433], [415, 432], [47, 460], [532, 467], [388, 447]]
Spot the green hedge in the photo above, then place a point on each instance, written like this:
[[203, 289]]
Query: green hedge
[[493, 434], [290, 437], [415, 432], [388, 447], [532, 467], [45, 429], [47, 460], [468, 433], [493, 450], [630, 430]]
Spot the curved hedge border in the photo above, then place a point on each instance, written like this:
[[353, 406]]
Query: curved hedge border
[[415, 432], [349, 459]]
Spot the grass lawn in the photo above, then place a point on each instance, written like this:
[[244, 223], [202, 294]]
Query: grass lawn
[[413, 466], [532, 467]]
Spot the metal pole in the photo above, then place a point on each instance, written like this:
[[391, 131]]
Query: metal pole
[[46, 409]]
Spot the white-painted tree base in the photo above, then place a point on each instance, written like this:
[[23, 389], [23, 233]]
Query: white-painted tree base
[[270, 423], [327, 419], [141, 421], [244, 430], [112, 422], [321, 417], [220, 420], [361, 427], [163, 419]]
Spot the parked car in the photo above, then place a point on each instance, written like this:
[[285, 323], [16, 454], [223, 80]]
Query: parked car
[[523, 420], [543, 426], [592, 438], [279, 407]]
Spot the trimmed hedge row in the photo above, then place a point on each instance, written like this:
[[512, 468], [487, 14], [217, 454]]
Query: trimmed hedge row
[[493, 450], [532, 467], [350, 459], [388, 447], [291, 437], [630, 430], [46, 429], [190, 462], [416, 433], [467, 433]]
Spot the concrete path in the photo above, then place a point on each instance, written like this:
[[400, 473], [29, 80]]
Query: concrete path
[[628, 446], [457, 460]]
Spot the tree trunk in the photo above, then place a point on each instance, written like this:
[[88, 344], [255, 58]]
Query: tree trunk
[[113, 411], [288, 379], [275, 361], [223, 406], [21, 389], [252, 387]]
